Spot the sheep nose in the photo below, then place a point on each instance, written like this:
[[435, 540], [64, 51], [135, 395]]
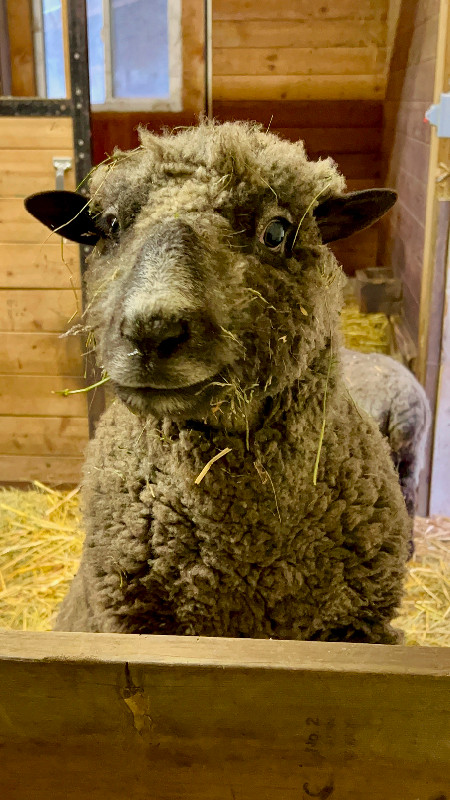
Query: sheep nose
[[165, 336]]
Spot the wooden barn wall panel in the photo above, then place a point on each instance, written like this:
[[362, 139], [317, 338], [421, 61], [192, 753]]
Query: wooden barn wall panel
[[268, 50], [40, 298], [405, 146], [54, 265], [48, 469], [39, 354], [28, 310], [47, 393], [59, 436], [50, 133]]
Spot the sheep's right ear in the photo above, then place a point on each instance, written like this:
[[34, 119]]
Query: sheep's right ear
[[343, 215], [66, 213]]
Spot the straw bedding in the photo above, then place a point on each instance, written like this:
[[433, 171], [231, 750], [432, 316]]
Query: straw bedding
[[40, 546]]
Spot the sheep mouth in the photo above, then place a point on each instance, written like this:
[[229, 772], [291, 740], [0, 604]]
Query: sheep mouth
[[143, 399], [146, 393]]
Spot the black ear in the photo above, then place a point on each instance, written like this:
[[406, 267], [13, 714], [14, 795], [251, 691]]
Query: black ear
[[66, 213], [339, 217]]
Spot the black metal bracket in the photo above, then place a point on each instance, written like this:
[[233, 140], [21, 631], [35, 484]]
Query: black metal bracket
[[34, 107], [79, 80]]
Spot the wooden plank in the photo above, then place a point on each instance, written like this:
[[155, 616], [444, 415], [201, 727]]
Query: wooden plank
[[33, 133], [110, 129], [42, 436], [334, 140], [34, 266], [184, 718], [298, 61], [408, 118], [32, 310], [40, 354], [416, 83], [357, 165], [303, 113], [23, 172], [37, 395], [358, 252], [284, 87], [193, 42], [51, 470], [299, 10], [17, 226], [436, 153], [20, 29], [287, 33]]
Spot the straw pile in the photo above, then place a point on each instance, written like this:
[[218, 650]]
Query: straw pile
[[40, 546], [425, 612], [368, 333]]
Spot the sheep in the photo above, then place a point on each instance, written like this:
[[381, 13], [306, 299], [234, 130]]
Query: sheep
[[232, 488], [391, 394]]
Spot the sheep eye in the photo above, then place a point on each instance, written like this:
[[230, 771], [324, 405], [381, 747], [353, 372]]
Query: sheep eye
[[275, 233], [112, 224]]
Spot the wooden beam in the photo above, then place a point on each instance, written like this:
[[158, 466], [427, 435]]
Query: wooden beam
[[438, 149], [20, 26], [162, 717]]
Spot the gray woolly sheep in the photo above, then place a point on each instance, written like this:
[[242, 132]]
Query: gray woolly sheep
[[232, 489], [394, 398]]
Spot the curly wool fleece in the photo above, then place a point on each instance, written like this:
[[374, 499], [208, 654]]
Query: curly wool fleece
[[257, 548]]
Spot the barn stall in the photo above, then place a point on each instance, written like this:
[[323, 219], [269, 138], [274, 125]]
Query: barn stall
[[353, 80]]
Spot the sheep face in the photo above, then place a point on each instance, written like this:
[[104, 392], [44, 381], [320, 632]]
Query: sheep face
[[210, 290], [204, 310]]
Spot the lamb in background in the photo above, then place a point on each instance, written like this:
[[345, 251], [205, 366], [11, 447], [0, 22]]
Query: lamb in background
[[394, 398], [233, 488]]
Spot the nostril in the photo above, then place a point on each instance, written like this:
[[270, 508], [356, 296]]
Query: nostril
[[150, 334], [169, 346]]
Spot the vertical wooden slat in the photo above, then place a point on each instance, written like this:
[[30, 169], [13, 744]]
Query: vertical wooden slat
[[441, 84], [20, 26]]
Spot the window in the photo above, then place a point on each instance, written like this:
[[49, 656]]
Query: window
[[134, 53]]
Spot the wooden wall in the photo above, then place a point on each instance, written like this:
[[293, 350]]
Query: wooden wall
[[42, 434], [298, 49], [314, 72], [406, 146]]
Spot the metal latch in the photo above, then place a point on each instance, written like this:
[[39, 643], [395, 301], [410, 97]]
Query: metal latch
[[61, 165], [439, 115]]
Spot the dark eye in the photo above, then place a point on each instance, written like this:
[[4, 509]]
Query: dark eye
[[275, 233], [111, 224]]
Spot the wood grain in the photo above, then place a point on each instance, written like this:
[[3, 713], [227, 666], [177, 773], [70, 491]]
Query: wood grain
[[42, 436], [51, 470], [35, 133], [193, 41], [298, 61], [299, 10], [39, 395], [291, 33], [19, 227], [25, 172], [20, 29], [32, 310], [303, 113], [110, 716], [40, 354], [35, 266], [303, 87], [334, 140]]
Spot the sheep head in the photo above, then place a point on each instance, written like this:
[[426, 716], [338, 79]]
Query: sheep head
[[210, 288]]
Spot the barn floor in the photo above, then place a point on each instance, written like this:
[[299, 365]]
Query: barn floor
[[41, 539]]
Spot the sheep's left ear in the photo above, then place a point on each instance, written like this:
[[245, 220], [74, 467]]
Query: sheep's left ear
[[339, 217], [66, 213]]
